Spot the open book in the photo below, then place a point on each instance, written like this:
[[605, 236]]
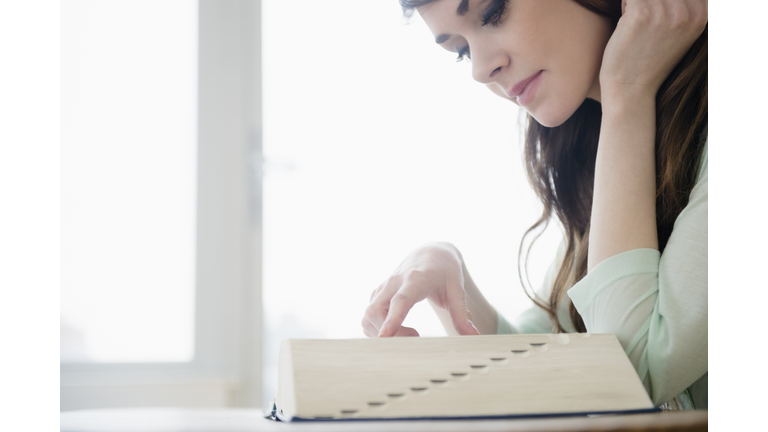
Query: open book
[[456, 377]]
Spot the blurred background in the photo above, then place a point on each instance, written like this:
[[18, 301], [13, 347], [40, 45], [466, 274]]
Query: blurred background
[[239, 172]]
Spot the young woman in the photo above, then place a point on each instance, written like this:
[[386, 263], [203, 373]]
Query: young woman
[[616, 98]]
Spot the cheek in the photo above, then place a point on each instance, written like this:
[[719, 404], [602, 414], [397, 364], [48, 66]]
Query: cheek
[[569, 42], [493, 87], [556, 100], [574, 74]]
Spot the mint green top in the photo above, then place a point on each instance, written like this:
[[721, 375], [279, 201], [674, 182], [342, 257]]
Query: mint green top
[[655, 304]]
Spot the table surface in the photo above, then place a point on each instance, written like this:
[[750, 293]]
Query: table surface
[[240, 420]]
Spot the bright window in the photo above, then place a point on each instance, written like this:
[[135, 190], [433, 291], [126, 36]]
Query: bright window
[[129, 171]]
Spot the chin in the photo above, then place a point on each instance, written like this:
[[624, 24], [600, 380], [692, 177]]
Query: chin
[[550, 116], [548, 119]]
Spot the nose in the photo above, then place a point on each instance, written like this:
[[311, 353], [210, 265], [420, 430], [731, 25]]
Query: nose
[[488, 63]]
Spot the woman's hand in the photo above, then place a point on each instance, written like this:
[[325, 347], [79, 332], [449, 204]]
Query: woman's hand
[[434, 271], [651, 37]]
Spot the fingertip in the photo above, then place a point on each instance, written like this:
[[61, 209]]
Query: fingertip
[[476, 331], [468, 329], [384, 330]]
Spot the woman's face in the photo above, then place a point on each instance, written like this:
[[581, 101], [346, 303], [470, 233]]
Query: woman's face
[[543, 55]]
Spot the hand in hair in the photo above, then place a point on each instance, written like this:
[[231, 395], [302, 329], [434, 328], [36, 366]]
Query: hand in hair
[[651, 37], [434, 271]]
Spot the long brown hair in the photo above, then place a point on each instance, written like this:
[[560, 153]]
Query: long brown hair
[[560, 164]]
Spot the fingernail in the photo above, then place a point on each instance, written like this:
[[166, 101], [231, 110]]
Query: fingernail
[[381, 332]]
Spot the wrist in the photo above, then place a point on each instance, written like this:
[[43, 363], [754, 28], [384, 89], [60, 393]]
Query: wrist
[[628, 113], [627, 99], [484, 315]]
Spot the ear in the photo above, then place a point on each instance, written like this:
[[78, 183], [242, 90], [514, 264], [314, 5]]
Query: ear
[[623, 6]]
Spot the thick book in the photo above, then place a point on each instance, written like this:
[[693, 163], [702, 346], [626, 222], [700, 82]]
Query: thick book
[[496, 376]]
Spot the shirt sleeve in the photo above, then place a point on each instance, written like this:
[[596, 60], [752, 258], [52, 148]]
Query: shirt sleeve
[[656, 304]]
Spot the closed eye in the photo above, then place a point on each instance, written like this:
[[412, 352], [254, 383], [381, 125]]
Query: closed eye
[[495, 13], [463, 54]]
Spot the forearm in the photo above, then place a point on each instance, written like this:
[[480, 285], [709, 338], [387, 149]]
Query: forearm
[[624, 199]]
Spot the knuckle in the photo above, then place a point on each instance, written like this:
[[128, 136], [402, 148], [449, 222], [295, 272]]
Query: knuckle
[[461, 312], [401, 297], [679, 19], [462, 308], [370, 314], [421, 276], [642, 15], [415, 275]]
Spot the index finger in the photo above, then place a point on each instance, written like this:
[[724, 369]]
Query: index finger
[[399, 306]]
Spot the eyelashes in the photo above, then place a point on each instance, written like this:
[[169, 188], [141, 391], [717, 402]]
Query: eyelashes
[[463, 54], [493, 15]]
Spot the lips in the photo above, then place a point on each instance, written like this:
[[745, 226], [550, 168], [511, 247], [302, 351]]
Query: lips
[[519, 88]]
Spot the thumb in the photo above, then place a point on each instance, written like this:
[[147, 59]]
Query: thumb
[[460, 315]]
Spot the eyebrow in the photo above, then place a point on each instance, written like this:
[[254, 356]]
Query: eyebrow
[[463, 8], [460, 11]]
